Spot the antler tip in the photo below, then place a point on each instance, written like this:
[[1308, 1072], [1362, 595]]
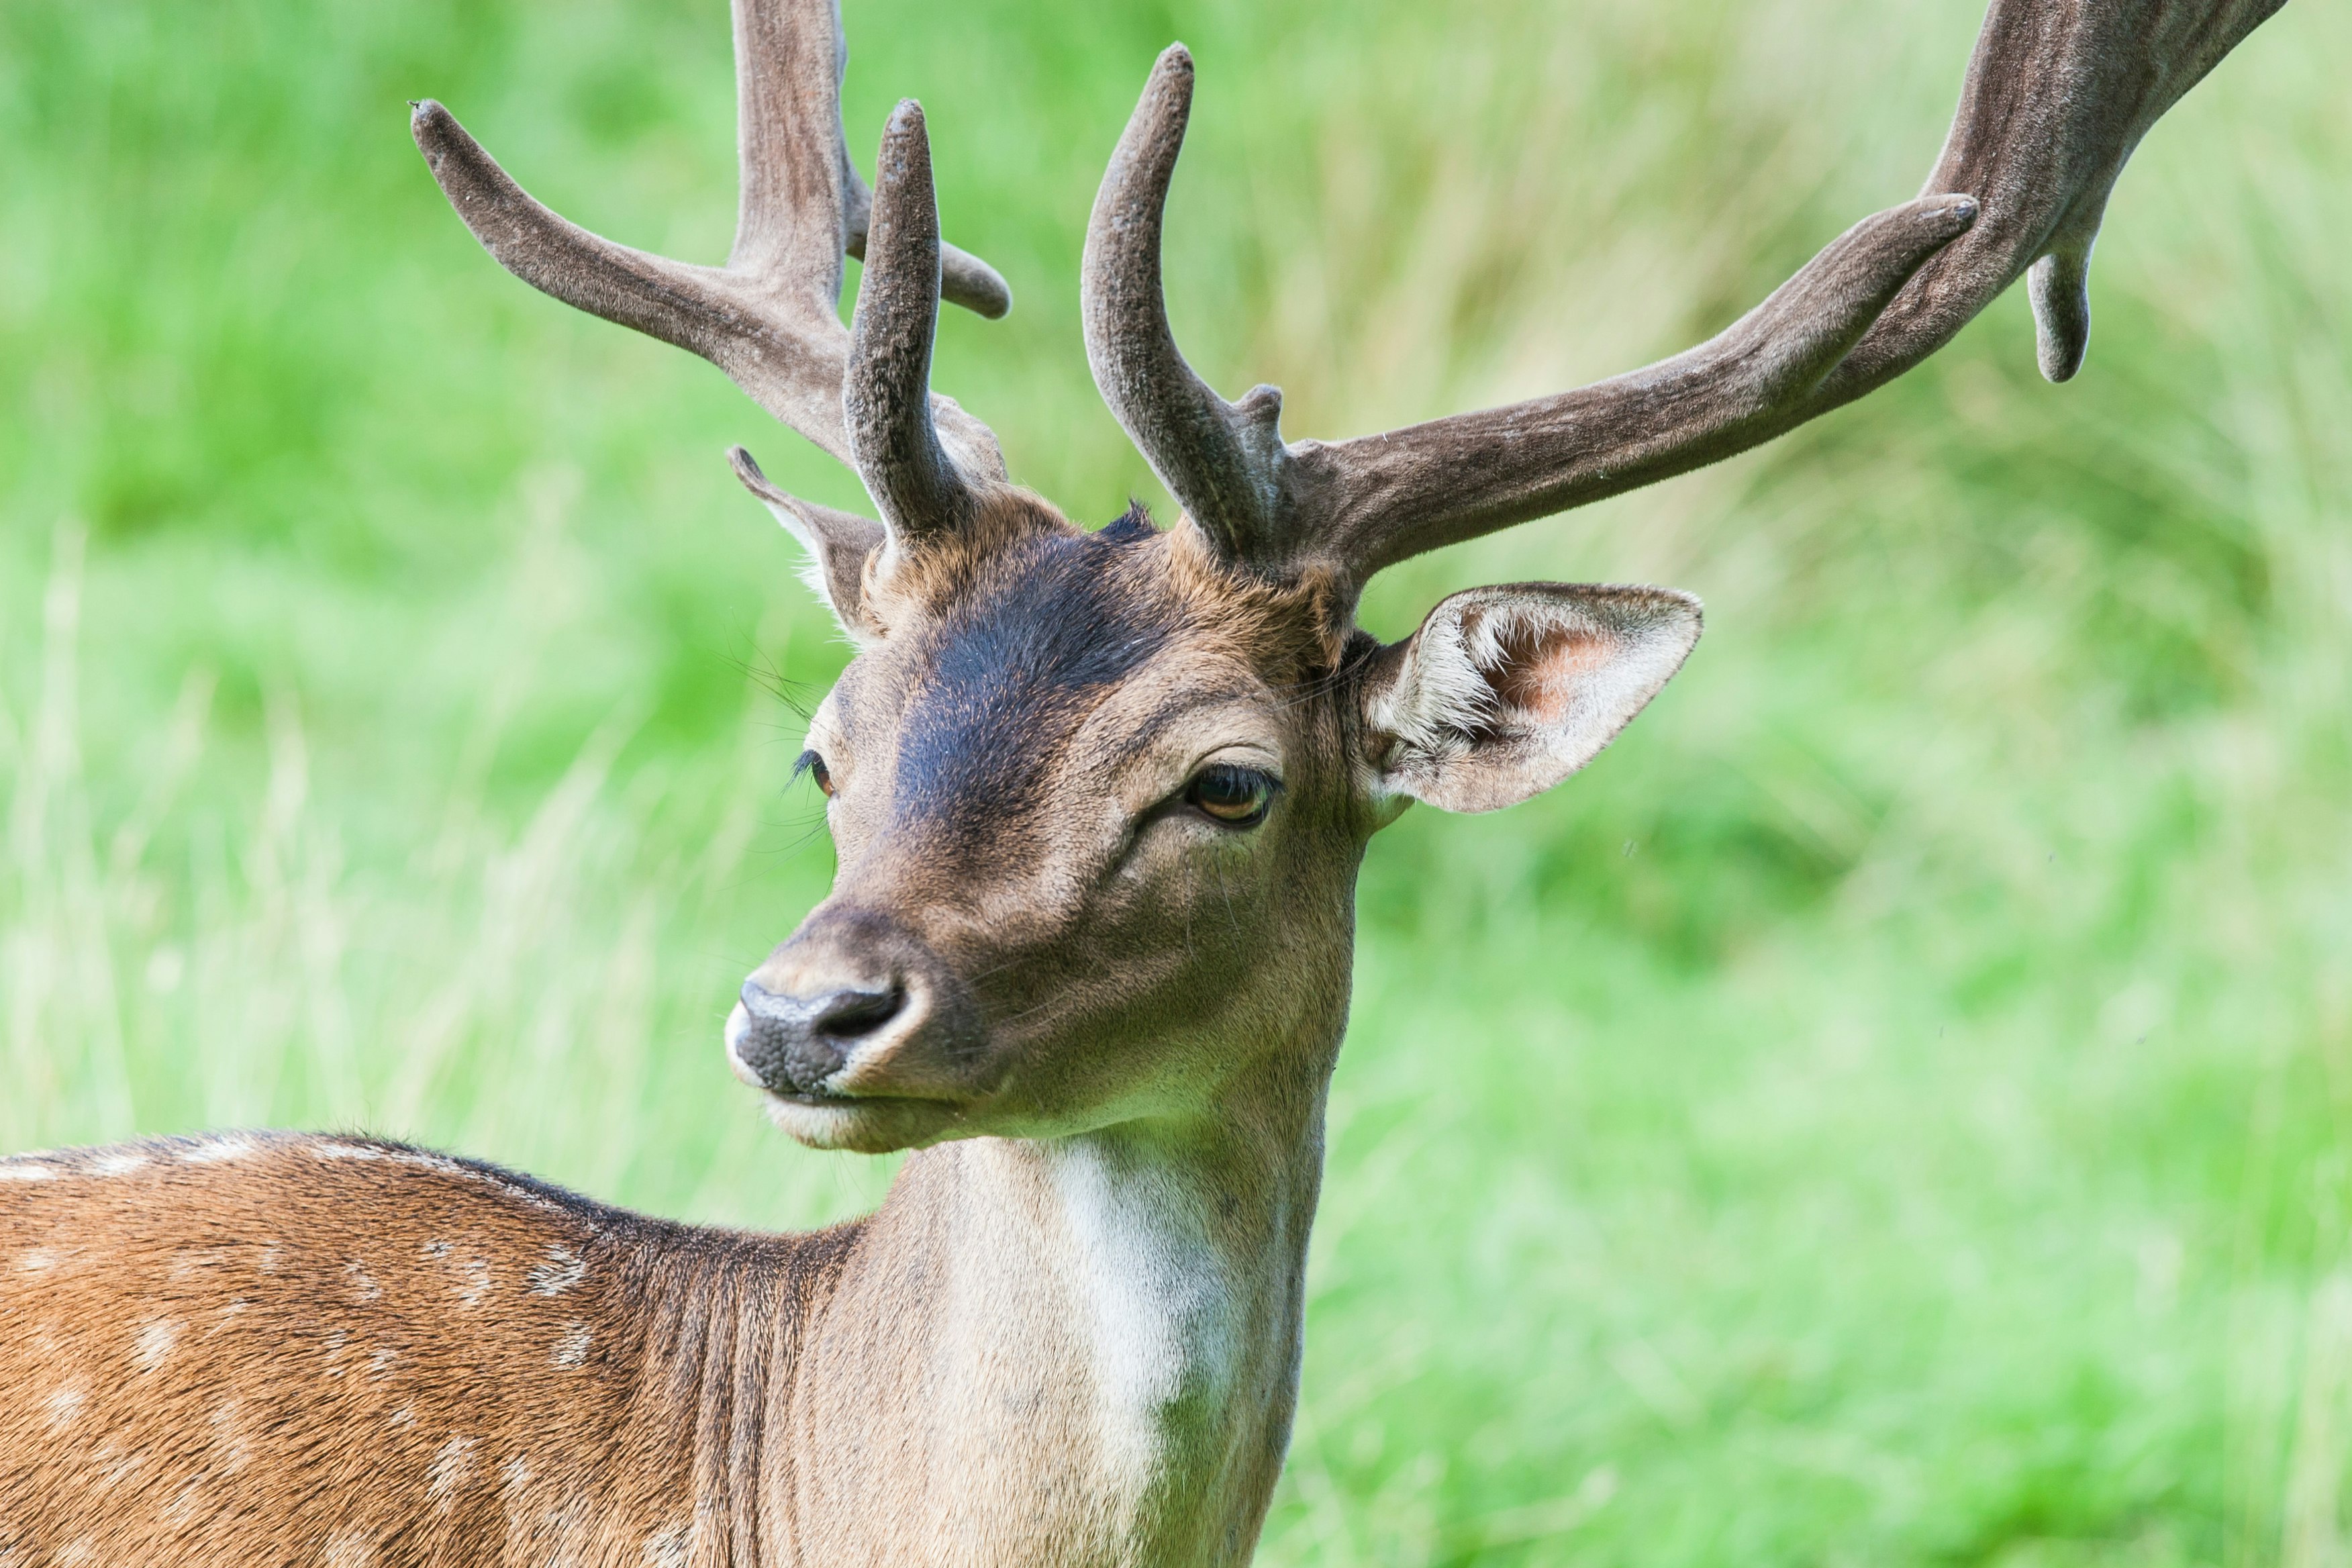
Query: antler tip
[[2059, 285]]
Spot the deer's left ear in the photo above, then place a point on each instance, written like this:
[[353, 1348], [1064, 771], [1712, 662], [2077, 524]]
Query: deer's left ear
[[1503, 692], [838, 543]]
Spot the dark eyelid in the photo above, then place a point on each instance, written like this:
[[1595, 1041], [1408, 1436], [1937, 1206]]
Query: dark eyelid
[[806, 761]]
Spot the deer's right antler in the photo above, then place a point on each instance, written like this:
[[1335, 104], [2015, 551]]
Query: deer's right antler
[[769, 318]]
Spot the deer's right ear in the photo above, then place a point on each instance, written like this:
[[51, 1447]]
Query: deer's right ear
[[838, 544], [1503, 692]]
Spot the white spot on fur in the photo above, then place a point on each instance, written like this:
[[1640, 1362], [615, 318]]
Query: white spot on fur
[[403, 1416], [117, 1464], [228, 1435], [572, 1349], [563, 1270], [363, 1285], [27, 1171], [80, 1551], [436, 1250], [217, 1150], [381, 1361], [180, 1509], [350, 1550], [39, 1260], [334, 1343], [325, 1150], [65, 1406], [267, 1262], [477, 1273], [120, 1163], [515, 1473], [185, 1264], [156, 1342], [666, 1548], [452, 1465]]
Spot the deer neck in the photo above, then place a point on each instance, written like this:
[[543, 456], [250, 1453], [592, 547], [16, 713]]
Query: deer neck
[[1080, 1350]]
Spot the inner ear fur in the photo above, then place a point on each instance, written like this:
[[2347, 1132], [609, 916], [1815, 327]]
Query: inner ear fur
[[1504, 691], [839, 544]]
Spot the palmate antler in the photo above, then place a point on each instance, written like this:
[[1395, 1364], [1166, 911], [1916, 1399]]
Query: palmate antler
[[2058, 94], [768, 317]]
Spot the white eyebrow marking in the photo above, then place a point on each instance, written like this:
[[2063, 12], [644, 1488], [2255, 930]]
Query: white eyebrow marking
[[119, 1163], [65, 1405], [572, 1348], [563, 1270], [156, 1342], [27, 1171], [450, 1466]]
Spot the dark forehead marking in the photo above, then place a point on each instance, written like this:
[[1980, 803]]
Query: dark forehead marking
[[1019, 661]]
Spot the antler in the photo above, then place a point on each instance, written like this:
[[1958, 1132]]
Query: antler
[[769, 318], [2058, 94]]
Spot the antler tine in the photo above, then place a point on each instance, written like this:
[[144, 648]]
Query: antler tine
[[2058, 94], [790, 143], [768, 317], [919, 487], [787, 352], [1221, 461]]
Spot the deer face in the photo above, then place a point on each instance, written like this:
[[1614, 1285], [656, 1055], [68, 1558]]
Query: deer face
[[1098, 800]]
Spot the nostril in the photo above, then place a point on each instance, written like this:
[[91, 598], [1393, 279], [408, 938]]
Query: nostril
[[851, 1015]]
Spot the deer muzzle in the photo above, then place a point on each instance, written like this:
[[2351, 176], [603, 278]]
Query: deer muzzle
[[855, 1014]]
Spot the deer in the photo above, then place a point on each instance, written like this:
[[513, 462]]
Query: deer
[[1098, 798]]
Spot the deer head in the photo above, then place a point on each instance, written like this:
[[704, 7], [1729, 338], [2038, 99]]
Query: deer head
[[1100, 797]]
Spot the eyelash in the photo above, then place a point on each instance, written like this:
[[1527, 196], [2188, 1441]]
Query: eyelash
[[814, 766]]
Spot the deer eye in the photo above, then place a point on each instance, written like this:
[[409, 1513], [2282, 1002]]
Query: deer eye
[[1237, 796], [814, 766]]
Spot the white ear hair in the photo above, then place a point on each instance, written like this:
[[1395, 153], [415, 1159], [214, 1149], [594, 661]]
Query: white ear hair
[[1504, 691], [837, 544]]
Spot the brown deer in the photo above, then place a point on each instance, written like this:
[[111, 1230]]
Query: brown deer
[[1098, 799]]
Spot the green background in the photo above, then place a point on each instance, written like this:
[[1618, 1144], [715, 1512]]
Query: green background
[[1891, 1109]]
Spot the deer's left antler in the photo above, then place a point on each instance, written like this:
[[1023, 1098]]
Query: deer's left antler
[[2058, 94]]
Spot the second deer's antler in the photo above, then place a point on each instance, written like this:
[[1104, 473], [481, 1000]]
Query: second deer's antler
[[2058, 94]]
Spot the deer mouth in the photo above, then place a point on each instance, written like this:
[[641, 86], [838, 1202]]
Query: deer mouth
[[864, 1123]]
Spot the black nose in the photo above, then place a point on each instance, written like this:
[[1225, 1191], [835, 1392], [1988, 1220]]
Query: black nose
[[793, 1044]]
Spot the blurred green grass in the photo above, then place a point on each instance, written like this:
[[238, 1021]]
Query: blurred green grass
[[1892, 1109]]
